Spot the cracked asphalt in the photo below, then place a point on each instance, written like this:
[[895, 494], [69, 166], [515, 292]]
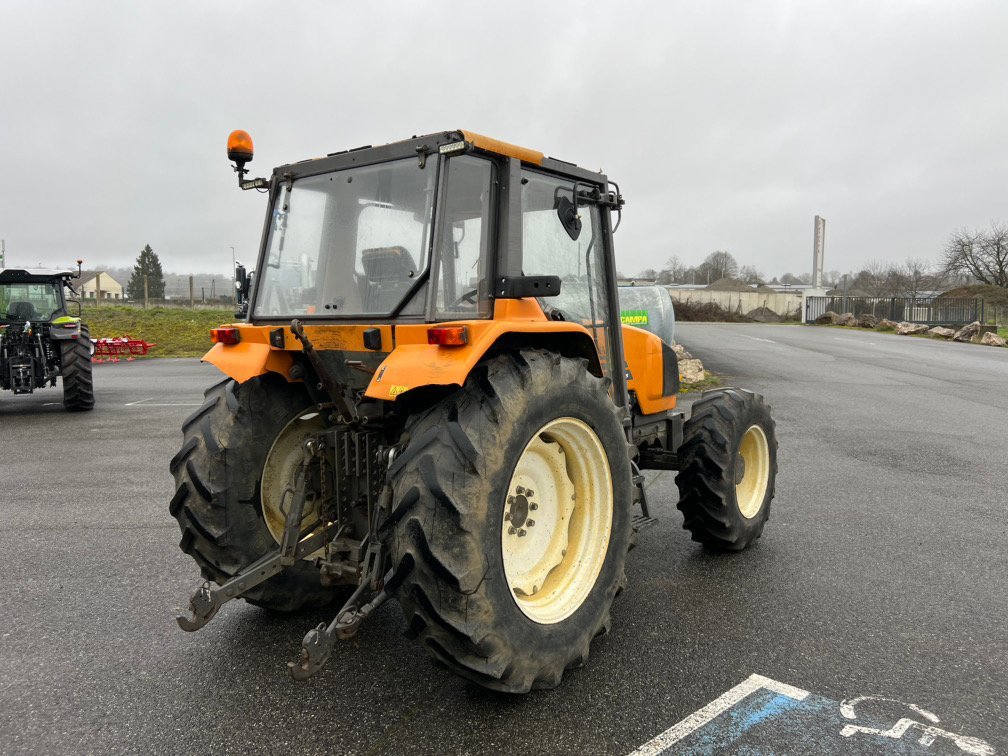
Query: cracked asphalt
[[883, 570]]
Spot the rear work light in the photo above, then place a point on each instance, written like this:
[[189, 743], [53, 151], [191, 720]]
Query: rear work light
[[225, 335], [448, 336]]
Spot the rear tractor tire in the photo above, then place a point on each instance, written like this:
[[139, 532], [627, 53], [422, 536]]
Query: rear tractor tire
[[218, 500], [511, 519], [728, 469], [75, 369]]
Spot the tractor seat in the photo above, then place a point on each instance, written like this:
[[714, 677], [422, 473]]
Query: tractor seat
[[22, 311], [389, 273], [387, 264]]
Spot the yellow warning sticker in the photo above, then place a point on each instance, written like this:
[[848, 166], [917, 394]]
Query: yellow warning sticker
[[396, 390]]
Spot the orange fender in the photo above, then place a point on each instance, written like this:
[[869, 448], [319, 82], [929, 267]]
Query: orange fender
[[646, 362], [415, 363]]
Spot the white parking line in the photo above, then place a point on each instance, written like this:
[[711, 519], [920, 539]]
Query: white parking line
[[757, 338], [719, 705], [147, 403]]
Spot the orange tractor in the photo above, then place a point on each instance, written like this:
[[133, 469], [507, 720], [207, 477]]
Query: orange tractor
[[433, 399]]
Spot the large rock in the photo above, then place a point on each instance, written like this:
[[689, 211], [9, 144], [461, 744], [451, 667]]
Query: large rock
[[967, 332], [992, 339], [681, 353], [910, 329], [847, 319], [885, 325], [763, 315], [691, 371], [827, 318], [942, 332], [867, 320]]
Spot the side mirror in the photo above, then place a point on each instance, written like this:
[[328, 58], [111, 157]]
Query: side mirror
[[241, 283], [568, 214]]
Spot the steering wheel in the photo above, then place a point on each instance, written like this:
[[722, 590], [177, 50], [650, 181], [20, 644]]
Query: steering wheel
[[469, 296]]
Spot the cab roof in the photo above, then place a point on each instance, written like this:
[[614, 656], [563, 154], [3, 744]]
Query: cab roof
[[446, 142], [33, 275]]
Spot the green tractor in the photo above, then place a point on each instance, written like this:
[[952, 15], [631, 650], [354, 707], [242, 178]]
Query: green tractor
[[39, 340]]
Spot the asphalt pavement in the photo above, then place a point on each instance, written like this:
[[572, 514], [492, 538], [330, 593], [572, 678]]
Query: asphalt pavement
[[883, 572]]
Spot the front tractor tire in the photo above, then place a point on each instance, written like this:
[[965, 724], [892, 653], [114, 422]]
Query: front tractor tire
[[75, 369], [728, 469], [218, 477], [511, 520]]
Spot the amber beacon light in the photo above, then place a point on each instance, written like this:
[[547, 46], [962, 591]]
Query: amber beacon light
[[239, 151], [239, 148]]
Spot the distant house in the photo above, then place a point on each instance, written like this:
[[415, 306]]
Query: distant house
[[110, 288]]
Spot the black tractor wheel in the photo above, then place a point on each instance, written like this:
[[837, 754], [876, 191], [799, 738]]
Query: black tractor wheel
[[218, 477], [728, 469], [75, 368], [511, 519]]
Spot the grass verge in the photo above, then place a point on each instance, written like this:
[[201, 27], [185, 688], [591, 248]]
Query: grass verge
[[177, 332], [710, 381]]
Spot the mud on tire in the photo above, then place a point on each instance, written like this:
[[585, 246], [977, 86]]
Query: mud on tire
[[710, 469], [217, 497], [75, 369], [450, 486]]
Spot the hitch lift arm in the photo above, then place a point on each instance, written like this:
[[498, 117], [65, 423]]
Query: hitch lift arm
[[208, 598]]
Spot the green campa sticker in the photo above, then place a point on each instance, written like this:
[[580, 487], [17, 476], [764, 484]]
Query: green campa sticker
[[634, 317]]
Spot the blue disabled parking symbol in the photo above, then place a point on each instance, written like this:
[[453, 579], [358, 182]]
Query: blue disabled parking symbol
[[764, 716]]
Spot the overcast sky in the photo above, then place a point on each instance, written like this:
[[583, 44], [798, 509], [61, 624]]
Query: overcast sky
[[727, 125]]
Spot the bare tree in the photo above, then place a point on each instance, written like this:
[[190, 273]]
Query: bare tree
[[981, 254], [916, 276], [832, 278], [648, 274], [674, 271], [791, 279], [877, 279], [721, 265], [750, 275]]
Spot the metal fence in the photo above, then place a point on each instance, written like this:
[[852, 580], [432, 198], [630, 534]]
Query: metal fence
[[931, 312]]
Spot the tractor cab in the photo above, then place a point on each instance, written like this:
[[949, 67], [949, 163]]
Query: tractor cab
[[452, 227], [34, 295]]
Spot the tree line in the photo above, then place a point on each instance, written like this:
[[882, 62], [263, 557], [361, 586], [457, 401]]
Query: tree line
[[970, 256], [163, 286]]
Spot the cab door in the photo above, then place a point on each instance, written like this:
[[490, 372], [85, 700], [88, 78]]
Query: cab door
[[578, 258]]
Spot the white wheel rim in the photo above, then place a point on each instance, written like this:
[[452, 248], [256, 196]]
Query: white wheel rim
[[279, 472], [557, 520], [752, 471]]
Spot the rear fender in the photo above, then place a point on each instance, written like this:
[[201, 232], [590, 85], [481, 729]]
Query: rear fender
[[517, 324], [65, 329]]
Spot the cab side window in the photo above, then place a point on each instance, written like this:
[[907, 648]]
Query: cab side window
[[547, 249]]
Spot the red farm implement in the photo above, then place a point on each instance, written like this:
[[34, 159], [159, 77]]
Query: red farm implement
[[112, 350]]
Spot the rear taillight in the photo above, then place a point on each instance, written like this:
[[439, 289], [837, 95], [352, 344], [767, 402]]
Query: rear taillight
[[448, 336], [225, 335]]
